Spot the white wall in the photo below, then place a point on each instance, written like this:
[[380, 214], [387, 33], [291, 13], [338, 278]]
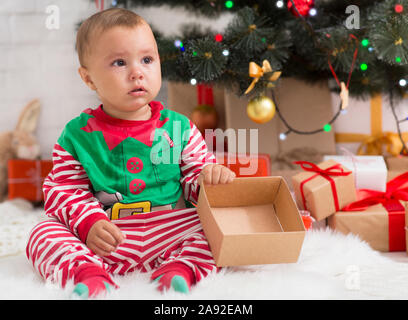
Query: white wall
[[36, 62]]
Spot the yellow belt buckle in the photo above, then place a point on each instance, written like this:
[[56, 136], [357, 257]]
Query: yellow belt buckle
[[144, 205]]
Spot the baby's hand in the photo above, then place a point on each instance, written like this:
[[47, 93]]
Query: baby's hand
[[104, 237], [216, 173]]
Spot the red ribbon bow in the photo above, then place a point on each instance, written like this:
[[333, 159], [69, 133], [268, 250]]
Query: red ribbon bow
[[335, 170], [331, 171], [389, 199]]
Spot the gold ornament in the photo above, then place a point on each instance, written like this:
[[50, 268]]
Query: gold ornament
[[261, 109]]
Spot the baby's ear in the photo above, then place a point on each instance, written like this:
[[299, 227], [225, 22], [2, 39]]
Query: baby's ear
[[85, 76]]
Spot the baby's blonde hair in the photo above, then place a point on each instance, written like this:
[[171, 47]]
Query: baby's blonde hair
[[100, 22]]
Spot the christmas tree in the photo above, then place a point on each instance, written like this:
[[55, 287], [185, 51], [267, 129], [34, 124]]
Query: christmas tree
[[358, 47], [362, 43]]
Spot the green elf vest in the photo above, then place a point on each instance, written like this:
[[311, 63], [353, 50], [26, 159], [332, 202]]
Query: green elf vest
[[140, 160]]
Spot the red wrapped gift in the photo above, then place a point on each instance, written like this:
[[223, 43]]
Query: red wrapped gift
[[246, 165], [377, 217], [26, 177]]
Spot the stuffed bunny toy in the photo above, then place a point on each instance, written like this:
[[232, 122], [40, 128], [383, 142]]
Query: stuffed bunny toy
[[19, 143]]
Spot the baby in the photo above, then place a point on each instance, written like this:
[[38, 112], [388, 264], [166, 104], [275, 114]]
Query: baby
[[115, 194]]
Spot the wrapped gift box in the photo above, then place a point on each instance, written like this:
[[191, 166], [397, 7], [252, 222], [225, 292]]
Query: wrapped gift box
[[399, 163], [324, 189], [251, 221], [245, 165], [376, 218], [26, 177], [368, 126], [406, 226], [370, 172], [382, 230]]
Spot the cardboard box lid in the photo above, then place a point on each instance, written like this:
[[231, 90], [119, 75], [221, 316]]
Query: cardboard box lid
[[251, 221]]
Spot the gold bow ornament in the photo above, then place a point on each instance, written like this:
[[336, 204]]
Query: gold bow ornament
[[257, 72], [375, 145]]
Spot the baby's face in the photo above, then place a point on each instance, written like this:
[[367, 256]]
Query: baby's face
[[123, 60]]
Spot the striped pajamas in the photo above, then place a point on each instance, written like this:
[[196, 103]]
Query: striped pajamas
[[154, 240]]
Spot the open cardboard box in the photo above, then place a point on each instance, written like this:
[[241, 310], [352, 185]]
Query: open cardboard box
[[251, 221]]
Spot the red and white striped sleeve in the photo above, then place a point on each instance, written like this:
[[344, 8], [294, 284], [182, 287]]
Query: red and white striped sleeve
[[67, 195], [194, 157]]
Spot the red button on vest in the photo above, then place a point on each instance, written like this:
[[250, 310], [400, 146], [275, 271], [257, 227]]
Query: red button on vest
[[134, 165], [136, 186]]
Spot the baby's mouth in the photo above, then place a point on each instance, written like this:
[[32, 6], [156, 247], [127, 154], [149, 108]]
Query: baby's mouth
[[138, 89]]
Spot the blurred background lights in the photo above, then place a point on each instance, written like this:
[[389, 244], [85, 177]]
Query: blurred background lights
[[282, 136], [279, 4]]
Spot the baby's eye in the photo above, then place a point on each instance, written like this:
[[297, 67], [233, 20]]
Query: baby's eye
[[120, 61], [147, 60]]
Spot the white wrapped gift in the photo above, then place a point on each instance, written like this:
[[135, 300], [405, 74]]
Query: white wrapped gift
[[370, 172]]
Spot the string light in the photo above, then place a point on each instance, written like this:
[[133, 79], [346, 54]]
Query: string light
[[279, 4], [398, 59], [327, 127], [312, 12], [229, 4], [193, 81], [218, 37], [284, 135], [365, 42], [398, 8], [225, 52], [180, 45], [363, 66], [403, 82]]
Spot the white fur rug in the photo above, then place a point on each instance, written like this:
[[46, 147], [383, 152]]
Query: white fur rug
[[331, 266]]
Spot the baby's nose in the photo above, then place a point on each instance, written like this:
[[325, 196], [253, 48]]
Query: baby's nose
[[136, 74]]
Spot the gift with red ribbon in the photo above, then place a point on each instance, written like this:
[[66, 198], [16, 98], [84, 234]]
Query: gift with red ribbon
[[323, 189], [377, 217], [26, 177]]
